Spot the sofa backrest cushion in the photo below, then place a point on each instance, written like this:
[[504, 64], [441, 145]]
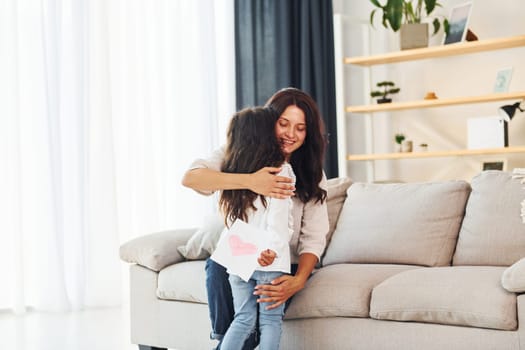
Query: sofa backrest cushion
[[413, 223], [492, 232]]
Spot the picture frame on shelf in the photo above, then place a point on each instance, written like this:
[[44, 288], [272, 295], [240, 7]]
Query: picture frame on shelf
[[458, 22], [499, 164], [503, 78]]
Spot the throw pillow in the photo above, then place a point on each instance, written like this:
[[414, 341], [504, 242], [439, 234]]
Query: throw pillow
[[513, 278], [335, 197], [203, 242], [156, 250]]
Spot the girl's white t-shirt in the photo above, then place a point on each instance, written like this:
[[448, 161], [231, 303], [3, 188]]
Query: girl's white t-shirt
[[277, 220]]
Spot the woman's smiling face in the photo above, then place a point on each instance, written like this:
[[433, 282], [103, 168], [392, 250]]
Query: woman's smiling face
[[290, 129]]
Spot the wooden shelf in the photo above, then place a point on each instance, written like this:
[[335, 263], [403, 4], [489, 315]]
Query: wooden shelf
[[439, 51], [434, 154], [397, 106]]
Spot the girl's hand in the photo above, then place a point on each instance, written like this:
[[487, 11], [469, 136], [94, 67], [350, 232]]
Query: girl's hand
[[265, 182], [267, 257]]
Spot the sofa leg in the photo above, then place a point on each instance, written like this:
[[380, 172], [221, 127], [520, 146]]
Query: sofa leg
[[147, 347]]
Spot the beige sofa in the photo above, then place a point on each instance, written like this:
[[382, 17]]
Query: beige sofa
[[409, 266]]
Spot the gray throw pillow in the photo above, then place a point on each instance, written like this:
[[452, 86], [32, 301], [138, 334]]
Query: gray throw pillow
[[156, 250], [335, 197], [203, 242]]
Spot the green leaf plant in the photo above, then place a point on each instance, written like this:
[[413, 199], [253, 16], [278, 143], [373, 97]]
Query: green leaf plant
[[398, 12]]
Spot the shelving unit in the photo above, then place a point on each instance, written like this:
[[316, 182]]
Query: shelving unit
[[462, 48], [420, 54], [435, 154], [397, 106]]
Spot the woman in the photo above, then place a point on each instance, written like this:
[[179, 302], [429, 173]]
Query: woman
[[299, 130]]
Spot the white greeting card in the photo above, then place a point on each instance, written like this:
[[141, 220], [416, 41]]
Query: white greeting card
[[239, 247]]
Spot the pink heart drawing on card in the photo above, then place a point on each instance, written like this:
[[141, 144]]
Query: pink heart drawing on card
[[239, 247]]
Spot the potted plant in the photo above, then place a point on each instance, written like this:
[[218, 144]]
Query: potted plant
[[388, 88], [399, 139], [407, 15]]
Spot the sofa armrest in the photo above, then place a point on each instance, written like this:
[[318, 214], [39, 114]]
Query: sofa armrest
[[156, 250], [513, 278]]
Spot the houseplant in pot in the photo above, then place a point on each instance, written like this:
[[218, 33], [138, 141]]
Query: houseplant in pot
[[408, 16], [399, 138], [387, 88]]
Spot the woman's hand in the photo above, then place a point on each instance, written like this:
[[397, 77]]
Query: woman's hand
[[284, 287], [267, 257], [265, 182], [281, 289]]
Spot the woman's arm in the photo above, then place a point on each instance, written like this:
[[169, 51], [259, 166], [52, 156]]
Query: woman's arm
[[263, 181]]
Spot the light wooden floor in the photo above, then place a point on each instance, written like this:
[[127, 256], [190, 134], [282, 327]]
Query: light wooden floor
[[98, 329]]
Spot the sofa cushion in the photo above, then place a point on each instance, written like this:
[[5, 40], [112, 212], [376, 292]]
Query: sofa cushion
[[413, 224], [492, 232], [513, 278], [185, 281], [460, 295], [156, 250], [340, 290], [335, 197]]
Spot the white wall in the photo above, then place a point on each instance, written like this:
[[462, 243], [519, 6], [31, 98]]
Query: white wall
[[442, 128]]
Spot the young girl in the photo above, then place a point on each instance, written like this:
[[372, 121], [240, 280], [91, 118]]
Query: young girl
[[252, 145]]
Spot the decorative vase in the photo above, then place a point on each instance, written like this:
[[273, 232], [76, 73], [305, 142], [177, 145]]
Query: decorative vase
[[413, 35], [406, 146]]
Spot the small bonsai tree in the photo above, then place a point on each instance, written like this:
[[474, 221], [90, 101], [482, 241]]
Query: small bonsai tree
[[388, 89]]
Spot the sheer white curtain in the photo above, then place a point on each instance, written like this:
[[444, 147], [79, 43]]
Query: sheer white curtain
[[103, 105]]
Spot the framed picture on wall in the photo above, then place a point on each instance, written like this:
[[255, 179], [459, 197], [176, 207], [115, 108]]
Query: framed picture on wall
[[503, 80], [458, 22]]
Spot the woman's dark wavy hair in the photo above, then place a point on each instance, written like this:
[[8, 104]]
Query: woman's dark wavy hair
[[307, 160], [251, 145]]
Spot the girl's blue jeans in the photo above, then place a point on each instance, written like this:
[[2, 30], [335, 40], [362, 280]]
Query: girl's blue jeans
[[246, 306], [220, 303]]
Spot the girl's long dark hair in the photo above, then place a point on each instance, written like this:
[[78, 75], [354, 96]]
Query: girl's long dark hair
[[307, 160], [251, 145]]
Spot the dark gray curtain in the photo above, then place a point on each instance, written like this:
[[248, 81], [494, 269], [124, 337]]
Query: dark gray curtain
[[282, 43]]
